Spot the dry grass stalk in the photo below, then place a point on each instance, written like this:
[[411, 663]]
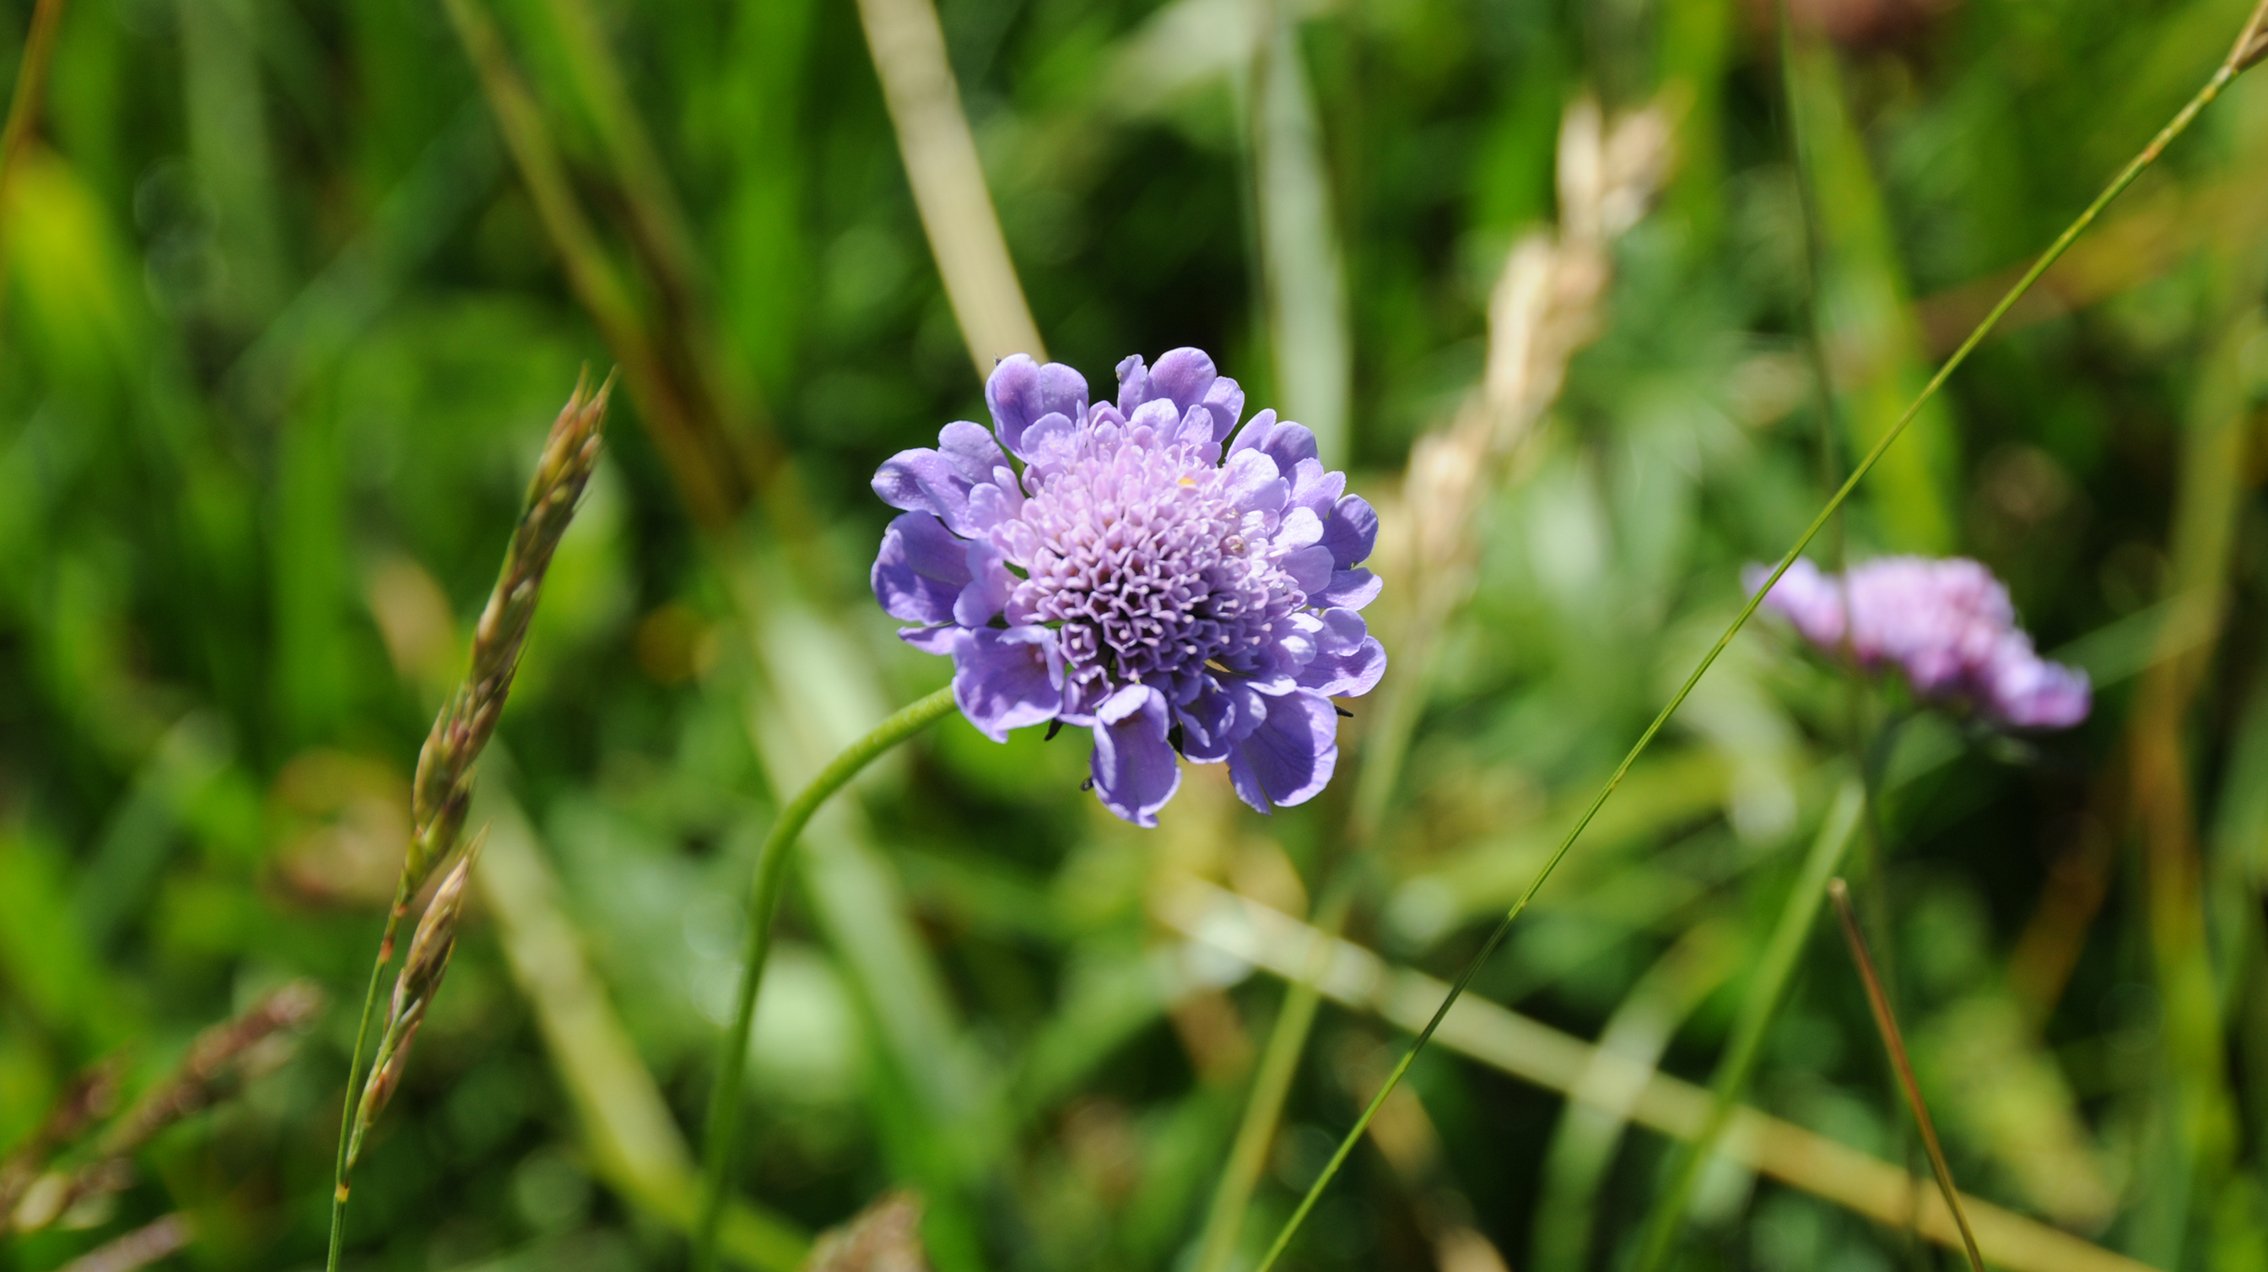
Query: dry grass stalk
[[149, 1244], [422, 969], [884, 1237], [1894, 1041], [1547, 304], [442, 791], [89, 1099], [218, 1063], [216, 1066], [947, 177], [443, 788]]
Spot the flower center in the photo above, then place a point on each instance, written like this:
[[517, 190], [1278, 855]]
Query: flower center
[[1146, 568]]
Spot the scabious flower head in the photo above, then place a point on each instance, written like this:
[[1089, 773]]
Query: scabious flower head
[[1946, 625], [1105, 565]]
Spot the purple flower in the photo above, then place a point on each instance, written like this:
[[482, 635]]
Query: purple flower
[[1129, 579], [1946, 625]]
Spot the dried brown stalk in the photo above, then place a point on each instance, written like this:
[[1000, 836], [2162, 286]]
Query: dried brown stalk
[[218, 1063], [1892, 1039], [442, 791]]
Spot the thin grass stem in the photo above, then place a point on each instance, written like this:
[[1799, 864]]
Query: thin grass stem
[[1271, 1086], [1765, 995], [351, 1101], [763, 901], [1895, 1043], [2070, 234]]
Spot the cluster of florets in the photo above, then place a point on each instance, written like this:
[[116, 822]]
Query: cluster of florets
[[1946, 625], [1125, 568]]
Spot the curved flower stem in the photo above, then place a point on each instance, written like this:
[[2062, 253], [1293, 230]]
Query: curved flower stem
[[763, 901], [2253, 31]]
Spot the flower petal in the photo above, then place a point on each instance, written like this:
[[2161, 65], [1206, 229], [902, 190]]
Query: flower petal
[[939, 481], [1317, 488], [1134, 767], [1225, 399], [1349, 589], [1250, 481], [931, 640], [1207, 723], [920, 569], [1308, 568], [1290, 756], [1348, 659], [989, 585], [2027, 691], [1006, 679], [1021, 392], [1351, 531], [1280, 440]]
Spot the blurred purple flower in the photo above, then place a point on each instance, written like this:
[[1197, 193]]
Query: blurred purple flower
[[1947, 625], [1132, 580]]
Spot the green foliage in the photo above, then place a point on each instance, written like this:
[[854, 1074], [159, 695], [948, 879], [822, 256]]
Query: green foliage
[[280, 332]]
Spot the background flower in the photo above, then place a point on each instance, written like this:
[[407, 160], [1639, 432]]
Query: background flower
[[1946, 625]]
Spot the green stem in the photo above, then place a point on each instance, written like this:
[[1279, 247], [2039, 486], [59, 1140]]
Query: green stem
[[353, 1098], [763, 901], [2134, 168], [1757, 1010], [1271, 1086]]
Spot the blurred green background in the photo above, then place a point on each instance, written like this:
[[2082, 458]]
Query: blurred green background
[[293, 289]]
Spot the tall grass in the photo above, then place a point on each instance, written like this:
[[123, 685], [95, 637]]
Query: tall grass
[[278, 282]]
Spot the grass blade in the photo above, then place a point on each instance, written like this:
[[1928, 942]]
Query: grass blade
[[947, 176]]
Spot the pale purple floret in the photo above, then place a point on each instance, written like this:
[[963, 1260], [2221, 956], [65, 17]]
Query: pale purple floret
[[1105, 565], [1946, 625]]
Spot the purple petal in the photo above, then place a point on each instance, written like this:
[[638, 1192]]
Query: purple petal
[[1188, 379], [1810, 601], [1133, 383], [1317, 488], [938, 481], [1160, 417], [1226, 401], [1021, 392], [1348, 659], [1006, 679], [1290, 756], [1207, 721], [1250, 481], [989, 585], [1308, 568], [1300, 528], [1049, 444], [1283, 441], [1351, 531], [1349, 589], [1134, 767], [2029, 692], [931, 640], [920, 569], [1182, 377], [995, 503]]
